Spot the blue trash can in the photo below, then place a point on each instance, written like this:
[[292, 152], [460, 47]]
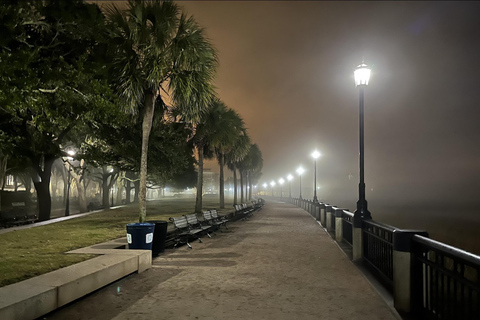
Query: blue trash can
[[140, 235]]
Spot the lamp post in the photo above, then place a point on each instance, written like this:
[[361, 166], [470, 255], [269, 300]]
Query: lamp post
[[273, 185], [265, 185], [300, 170], [71, 153], [289, 178], [362, 76], [315, 156], [281, 181]]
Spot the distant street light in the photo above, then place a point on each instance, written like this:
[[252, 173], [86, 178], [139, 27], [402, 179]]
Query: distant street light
[[265, 185], [362, 76], [300, 171], [71, 153], [273, 185], [289, 178], [315, 156], [281, 181]]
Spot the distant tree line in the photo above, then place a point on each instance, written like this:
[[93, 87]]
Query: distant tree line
[[110, 94]]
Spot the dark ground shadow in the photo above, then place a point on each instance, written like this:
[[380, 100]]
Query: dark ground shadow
[[116, 297]]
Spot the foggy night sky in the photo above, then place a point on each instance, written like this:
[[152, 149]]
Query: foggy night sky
[[287, 68]]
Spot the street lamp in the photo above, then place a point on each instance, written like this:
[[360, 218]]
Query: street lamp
[[265, 185], [281, 181], [273, 185], [362, 76], [300, 171], [70, 153], [315, 156], [289, 178]]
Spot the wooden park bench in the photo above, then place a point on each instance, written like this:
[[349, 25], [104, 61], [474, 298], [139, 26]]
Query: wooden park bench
[[244, 210], [223, 219], [216, 220], [184, 230], [16, 216]]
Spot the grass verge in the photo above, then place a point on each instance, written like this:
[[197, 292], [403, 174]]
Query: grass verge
[[31, 252]]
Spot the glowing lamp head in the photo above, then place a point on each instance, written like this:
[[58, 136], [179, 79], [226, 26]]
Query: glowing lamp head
[[272, 183], [300, 171], [265, 185], [289, 177], [316, 154], [362, 75], [281, 181], [70, 153]]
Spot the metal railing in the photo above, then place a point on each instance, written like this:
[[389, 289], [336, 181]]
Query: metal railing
[[378, 249], [446, 281], [347, 221]]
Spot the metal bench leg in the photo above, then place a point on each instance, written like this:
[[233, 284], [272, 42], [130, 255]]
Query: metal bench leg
[[208, 235], [200, 240]]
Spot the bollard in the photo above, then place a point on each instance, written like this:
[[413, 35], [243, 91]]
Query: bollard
[[317, 211], [329, 210], [339, 224], [322, 214], [402, 261], [357, 238]]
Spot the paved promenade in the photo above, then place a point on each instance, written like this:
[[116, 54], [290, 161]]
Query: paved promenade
[[278, 265]]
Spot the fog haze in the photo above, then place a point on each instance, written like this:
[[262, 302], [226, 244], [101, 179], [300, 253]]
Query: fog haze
[[287, 68]]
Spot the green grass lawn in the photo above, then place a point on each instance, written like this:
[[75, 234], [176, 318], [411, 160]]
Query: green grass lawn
[[31, 252]]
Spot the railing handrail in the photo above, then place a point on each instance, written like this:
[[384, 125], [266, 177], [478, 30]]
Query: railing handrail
[[379, 224], [448, 249], [348, 213]]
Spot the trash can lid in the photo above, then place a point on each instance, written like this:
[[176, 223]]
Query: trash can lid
[[140, 224], [156, 221]]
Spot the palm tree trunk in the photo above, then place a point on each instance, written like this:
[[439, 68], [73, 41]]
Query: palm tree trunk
[[198, 202], [146, 128], [241, 186], [222, 182], [234, 184], [249, 187]]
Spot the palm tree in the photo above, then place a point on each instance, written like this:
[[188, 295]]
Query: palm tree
[[215, 134], [233, 130], [159, 54], [250, 169], [234, 158]]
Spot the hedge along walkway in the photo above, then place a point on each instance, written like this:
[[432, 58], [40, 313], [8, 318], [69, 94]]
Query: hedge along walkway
[[27, 253], [278, 265]]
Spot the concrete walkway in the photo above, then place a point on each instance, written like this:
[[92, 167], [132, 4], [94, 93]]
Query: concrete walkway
[[278, 265]]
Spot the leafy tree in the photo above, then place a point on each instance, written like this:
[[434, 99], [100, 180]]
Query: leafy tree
[[159, 49], [53, 78]]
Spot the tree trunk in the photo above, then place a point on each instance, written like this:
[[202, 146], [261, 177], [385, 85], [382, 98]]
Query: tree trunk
[[64, 173], [128, 189], [41, 181], [146, 128], [222, 182], [136, 184], [119, 184], [234, 184], [81, 188], [198, 202], [249, 187], [129, 185], [241, 187], [105, 193]]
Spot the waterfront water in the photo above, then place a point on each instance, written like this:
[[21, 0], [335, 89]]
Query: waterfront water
[[457, 225]]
